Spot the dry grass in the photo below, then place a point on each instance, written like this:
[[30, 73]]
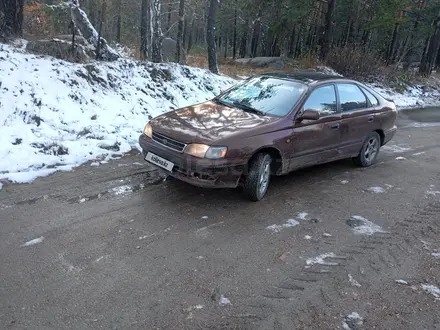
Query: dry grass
[[228, 66]]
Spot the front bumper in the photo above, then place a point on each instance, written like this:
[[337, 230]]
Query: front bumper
[[206, 173]]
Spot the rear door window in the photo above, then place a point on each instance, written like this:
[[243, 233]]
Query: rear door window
[[322, 99], [351, 97]]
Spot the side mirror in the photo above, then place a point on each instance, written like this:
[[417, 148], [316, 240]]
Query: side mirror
[[309, 114]]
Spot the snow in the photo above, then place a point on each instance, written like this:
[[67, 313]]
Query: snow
[[344, 181], [277, 228], [353, 281], [55, 115], [34, 241], [320, 260], [413, 97], [400, 158], [376, 190], [364, 226], [394, 148], [302, 215], [352, 321], [327, 235], [224, 301], [432, 289], [205, 217], [307, 237], [436, 255], [122, 190], [403, 282], [1, 186]]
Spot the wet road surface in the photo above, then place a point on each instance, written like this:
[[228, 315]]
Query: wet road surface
[[117, 247]]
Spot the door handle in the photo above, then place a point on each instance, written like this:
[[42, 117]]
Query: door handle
[[370, 119], [334, 126]]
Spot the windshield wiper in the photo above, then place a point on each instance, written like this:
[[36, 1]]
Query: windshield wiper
[[248, 108]]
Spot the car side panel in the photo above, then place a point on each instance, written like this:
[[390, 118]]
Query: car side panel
[[355, 126], [315, 142]]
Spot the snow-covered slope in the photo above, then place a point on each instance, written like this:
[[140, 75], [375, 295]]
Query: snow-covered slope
[[55, 114]]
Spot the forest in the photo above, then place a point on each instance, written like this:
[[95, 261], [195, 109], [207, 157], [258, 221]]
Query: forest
[[354, 37]]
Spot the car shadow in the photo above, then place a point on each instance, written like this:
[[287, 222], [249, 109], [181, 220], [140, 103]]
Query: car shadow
[[299, 179]]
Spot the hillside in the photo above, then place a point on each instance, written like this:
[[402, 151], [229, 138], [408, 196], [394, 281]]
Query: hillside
[[55, 114]]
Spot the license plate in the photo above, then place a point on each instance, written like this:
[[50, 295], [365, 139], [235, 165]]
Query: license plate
[[159, 161]]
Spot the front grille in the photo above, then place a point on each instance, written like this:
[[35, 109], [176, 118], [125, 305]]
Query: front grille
[[168, 142]]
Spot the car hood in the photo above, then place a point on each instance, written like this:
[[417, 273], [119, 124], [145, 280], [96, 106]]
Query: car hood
[[208, 122]]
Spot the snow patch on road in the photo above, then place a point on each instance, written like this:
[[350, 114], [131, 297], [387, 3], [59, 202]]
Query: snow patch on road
[[344, 181], [376, 190], [352, 321], [432, 289], [289, 224], [307, 237], [403, 282], [122, 190], [419, 153], [396, 149], [302, 215], [320, 260], [353, 281], [432, 193], [363, 226], [436, 255], [400, 158], [34, 241], [224, 301]]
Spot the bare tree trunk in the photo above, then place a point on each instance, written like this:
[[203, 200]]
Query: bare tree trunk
[[392, 44], [179, 46], [328, 29], [226, 43], [170, 9], [256, 35], [101, 22], [234, 43], [145, 30], [11, 18], [156, 49], [430, 57], [210, 36], [119, 22], [190, 36], [87, 30]]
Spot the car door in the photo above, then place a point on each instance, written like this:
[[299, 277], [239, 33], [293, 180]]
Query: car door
[[317, 141], [357, 117]]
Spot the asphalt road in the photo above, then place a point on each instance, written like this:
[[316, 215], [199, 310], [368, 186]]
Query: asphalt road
[[117, 247]]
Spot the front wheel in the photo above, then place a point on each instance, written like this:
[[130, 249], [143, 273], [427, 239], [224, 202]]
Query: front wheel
[[258, 178], [370, 149]]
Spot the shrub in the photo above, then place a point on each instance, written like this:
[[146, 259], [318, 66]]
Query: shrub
[[354, 62]]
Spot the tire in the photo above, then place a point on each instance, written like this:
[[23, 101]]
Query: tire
[[369, 151], [257, 181]]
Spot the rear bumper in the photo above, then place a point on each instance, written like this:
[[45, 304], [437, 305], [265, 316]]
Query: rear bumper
[[389, 134], [203, 173]]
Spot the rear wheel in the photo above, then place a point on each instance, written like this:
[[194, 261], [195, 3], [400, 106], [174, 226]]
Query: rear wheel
[[257, 180], [370, 149]]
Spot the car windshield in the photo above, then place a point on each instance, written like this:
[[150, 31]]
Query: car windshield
[[264, 96]]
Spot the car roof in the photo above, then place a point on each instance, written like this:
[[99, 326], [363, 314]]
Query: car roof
[[306, 77]]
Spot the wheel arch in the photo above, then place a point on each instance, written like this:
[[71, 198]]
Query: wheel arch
[[278, 161]]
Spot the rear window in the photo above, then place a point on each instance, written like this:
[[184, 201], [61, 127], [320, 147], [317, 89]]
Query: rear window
[[270, 96], [373, 100]]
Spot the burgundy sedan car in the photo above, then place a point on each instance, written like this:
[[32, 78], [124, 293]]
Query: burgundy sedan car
[[270, 124]]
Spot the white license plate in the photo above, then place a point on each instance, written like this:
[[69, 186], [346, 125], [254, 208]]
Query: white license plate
[[159, 161]]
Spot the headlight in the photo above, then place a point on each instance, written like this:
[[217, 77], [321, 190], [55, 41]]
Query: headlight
[[148, 131], [216, 152], [205, 151]]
